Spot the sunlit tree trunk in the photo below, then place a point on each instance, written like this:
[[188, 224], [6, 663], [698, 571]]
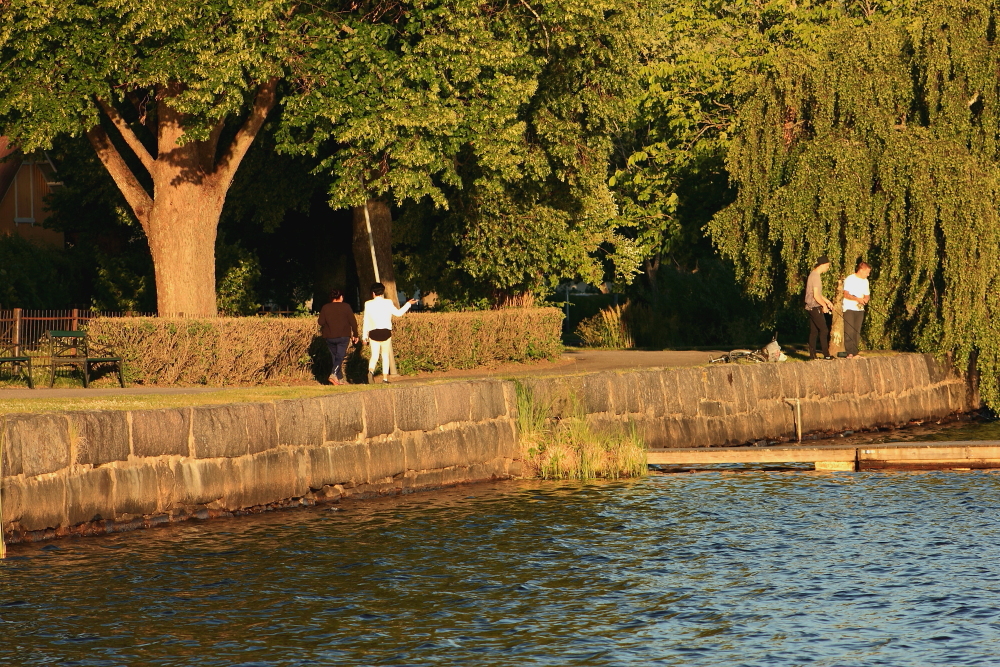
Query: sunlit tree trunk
[[837, 328], [190, 180]]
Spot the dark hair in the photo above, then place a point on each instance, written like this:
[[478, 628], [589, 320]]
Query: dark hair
[[823, 259], [378, 289], [863, 265], [335, 294]]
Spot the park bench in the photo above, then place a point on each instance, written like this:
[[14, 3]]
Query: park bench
[[75, 349], [18, 361]]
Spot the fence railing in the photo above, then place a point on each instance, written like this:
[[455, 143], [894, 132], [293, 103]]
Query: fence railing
[[25, 329]]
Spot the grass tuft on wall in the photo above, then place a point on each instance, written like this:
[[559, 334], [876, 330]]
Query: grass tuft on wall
[[571, 448]]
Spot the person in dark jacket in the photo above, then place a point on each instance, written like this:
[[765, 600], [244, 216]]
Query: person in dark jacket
[[338, 326]]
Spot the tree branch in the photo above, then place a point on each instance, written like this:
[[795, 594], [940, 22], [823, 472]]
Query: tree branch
[[128, 135], [262, 105], [134, 193], [212, 146]]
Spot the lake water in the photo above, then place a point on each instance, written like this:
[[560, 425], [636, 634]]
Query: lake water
[[716, 568]]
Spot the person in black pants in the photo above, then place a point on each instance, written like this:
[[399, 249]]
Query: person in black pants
[[338, 326], [857, 294], [819, 308]]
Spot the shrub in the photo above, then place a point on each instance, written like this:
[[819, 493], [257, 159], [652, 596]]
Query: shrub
[[212, 351], [610, 327], [265, 350], [442, 341]]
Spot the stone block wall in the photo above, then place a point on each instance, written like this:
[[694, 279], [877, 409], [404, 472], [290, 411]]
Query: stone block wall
[[735, 404], [92, 472]]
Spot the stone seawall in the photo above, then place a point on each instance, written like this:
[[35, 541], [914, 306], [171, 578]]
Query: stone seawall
[[93, 472], [735, 404]]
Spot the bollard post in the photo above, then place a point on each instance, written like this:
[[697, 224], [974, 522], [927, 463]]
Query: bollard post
[[17, 332]]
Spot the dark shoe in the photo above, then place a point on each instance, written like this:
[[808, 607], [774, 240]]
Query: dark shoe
[[828, 358], [385, 379]]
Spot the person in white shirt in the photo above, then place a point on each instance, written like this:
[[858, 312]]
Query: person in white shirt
[[377, 329], [856, 297]]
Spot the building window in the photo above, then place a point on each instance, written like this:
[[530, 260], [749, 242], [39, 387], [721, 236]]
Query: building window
[[24, 195]]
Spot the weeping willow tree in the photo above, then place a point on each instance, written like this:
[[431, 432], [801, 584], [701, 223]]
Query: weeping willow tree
[[880, 140]]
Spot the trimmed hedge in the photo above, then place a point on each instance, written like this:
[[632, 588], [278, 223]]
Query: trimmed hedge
[[263, 350], [212, 351], [443, 341]]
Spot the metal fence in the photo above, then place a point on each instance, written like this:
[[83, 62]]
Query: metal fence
[[25, 329]]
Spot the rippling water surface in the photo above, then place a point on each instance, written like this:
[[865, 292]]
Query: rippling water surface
[[759, 568]]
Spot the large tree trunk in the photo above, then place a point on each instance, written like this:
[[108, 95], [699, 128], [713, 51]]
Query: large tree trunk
[[190, 181], [837, 326], [381, 224], [181, 231]]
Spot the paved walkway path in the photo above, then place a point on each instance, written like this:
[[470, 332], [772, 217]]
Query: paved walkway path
[[572, 362]]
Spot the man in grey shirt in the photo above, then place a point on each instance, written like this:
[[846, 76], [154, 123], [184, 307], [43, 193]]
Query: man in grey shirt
[[818, 307]]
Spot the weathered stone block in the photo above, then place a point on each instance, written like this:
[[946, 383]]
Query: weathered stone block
[[689, 388], [165, 484], [864, 380], [10, 463], [441, 449], [719, 381], [40, 441], [380, 415], [89, 496], [743, 400], [262, 426], [219, 430], [767, 381], [43, 504], [625, 393], [12, 500], [161, 432], [507, 437], [202, 481], [482, 443], [300, 422], [416, 409], [343, 416], [100, 437], [649, 388], [136, 490], [488, 400], [791, 378], [653, 432], [344, 463], [708, 408], [937, 371], [386, 458], [454, 402], [593, 393]]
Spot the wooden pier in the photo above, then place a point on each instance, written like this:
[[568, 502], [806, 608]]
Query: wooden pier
[[964, 455]]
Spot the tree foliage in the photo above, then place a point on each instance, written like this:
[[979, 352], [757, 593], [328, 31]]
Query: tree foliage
[[878, 138], [489, 124]]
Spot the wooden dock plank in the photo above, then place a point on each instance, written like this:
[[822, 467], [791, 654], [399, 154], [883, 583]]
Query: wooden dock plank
[[903, 455]]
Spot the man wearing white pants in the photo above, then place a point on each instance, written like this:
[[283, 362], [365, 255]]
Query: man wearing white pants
[[377, 329]]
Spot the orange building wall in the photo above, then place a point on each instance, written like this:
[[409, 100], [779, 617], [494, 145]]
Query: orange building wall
[[25, 196]]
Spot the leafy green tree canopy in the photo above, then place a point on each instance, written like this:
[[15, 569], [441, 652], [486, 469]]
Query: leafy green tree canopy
[[878, 139]]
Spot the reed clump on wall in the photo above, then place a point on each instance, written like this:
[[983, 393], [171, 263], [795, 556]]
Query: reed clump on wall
[[612, 327], [571, 449]]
